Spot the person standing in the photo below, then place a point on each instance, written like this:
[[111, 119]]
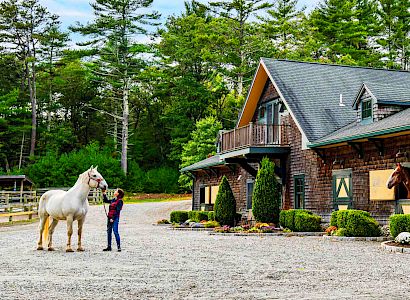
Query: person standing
[[113, 217]]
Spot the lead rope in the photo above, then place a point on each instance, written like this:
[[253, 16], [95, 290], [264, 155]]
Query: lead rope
[[105, 210]]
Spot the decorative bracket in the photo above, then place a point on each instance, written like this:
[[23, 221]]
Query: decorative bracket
[[321, 154], [379, 145], [244, 164], [358, 147]]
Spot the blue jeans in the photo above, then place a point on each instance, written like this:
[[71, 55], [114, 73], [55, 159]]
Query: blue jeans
[[113, 227]]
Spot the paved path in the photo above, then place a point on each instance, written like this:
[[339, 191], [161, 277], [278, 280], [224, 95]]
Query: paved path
[[161, 264]]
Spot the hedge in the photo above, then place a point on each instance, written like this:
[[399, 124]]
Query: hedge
[[198, 215], [357, 223], [211, 216], [300, 220], [178, 216], [399, 223]]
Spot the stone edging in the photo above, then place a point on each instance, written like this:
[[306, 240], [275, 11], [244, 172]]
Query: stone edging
[[397, 249], [190, 229], [286, 234], [161, 225], [355, 239]]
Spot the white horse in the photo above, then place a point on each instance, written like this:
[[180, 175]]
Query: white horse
[[71, 205]]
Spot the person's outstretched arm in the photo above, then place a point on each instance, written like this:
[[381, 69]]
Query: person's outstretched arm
[[105, 199]]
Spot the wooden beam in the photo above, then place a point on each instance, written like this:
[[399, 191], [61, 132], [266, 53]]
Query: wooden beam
[[379, 145], [358, 147]]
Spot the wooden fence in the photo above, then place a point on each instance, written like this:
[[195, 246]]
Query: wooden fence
[[26, 202]]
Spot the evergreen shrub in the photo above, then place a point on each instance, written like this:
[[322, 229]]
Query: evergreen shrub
[[266, 194], [225, 204], [357, 223], [399, 223], [300, 220]]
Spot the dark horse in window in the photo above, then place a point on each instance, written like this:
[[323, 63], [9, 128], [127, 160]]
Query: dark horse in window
[[400, 175]]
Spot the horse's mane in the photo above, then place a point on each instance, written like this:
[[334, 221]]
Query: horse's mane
[[82, 178]]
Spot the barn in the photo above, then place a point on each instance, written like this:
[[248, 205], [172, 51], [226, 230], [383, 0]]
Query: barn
[[334, 132]]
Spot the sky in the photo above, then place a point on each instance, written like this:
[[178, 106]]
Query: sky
[[71, 11]]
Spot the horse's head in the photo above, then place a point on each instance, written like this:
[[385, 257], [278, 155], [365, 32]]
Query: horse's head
[[396, 177], [95, 179]]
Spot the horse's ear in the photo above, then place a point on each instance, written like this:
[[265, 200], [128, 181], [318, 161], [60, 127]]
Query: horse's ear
[[91, 167], [399, 165], [96, 168]]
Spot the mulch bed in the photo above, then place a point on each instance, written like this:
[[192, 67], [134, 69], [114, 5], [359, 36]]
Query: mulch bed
[[397, 244]]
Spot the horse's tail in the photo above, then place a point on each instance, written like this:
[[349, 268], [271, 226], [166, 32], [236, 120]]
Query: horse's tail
[[42, 205]]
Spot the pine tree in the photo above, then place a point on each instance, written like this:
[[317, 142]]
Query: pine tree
[[114, 33], [266, 194], [283, 26], [395, 32], [225, 204], [242, 45], [340, 26], [22, 24]]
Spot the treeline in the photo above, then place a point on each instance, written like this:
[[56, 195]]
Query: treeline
[[148, 108]]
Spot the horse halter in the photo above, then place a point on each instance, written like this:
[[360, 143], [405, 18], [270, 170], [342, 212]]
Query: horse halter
[[98, 180]]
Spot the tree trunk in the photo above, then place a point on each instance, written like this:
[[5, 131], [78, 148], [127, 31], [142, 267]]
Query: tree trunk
[[33, 100], [125, 117]]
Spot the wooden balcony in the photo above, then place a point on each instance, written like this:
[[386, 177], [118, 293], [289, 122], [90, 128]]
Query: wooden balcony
[[252, 135]]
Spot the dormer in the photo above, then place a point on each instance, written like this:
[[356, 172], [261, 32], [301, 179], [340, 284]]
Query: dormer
[[376, 101]]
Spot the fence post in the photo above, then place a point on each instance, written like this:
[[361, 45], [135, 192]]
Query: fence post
[[9, 208]]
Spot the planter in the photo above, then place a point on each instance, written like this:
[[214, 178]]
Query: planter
[[396, 248], [355, 239]]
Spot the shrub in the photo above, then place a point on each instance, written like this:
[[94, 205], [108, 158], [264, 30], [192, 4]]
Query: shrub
[[197, 215], [341, 232], [163, 221], [225, 205], [300, 220], [333, 218], [399, 223], [288, 218], [179, 216], [356, 223], [211, 216], [266, 194], [211, 224], [307, 222]]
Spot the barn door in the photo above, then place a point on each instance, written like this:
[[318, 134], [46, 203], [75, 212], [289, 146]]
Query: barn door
[[342, 189]]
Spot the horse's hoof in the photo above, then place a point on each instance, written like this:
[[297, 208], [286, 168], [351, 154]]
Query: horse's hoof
[[69, 250], [80, 249], [50, 249], [40, 248]]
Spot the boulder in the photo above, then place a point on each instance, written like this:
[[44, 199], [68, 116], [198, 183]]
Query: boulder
[[403, 238]]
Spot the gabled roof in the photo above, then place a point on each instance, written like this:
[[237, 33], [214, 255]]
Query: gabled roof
[[9, 179], [398, 122], [311, 91], [383, 93], [206, 163]]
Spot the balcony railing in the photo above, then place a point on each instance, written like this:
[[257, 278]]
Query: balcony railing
[[252, 135]]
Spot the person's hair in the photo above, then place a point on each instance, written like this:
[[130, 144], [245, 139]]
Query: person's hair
[[120, 193]]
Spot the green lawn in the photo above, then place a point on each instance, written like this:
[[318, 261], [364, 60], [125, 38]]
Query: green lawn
[[136, 201]]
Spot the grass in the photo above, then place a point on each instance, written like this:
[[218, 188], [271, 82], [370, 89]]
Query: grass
[[137, 201]]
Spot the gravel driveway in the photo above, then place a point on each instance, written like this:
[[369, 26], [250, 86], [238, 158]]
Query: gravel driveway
[[157, 263]]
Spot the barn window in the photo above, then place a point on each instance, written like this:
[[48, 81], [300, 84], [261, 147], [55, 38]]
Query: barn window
[[249, 192], [299, 191]]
